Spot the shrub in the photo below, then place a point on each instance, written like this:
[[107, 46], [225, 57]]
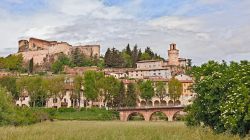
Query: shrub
[[66, 109]]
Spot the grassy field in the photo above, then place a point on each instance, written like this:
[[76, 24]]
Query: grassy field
[[89, 114], [108, 130]]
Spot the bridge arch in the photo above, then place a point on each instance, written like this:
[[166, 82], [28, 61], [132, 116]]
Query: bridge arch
[[178, 115], [170, 103], [150, 103], [156, 103], [161, 116], [134, 114], [163, 103], [147, 112], [143, 103], [177, 102]]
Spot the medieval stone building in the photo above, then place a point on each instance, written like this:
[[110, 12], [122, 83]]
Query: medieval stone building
[[42, 51]]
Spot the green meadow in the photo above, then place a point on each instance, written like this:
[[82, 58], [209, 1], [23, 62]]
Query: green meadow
[[109, 130]]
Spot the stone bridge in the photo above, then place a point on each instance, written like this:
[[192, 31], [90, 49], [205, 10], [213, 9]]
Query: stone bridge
[[147, 112]]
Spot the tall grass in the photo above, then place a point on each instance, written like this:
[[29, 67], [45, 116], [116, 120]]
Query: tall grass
[[109, 130]]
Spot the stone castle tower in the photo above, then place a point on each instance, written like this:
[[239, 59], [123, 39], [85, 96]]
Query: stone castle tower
[[173, 55]]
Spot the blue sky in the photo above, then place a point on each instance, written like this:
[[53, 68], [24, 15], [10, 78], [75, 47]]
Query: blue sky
[[202, 29]]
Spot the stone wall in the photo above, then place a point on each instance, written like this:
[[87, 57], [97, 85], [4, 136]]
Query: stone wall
[[90, 50], [41, 50]]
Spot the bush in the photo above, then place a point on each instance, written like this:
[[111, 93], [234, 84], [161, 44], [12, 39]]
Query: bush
[[66, 109], [222, 102]]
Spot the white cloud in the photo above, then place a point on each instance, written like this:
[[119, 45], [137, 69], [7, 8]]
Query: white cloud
[[219, 35], [176, 23]]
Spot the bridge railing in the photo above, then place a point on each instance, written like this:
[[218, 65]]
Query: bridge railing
[[150, 107]]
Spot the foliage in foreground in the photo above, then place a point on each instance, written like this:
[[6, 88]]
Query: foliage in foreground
[[11, 115], [223, 97]]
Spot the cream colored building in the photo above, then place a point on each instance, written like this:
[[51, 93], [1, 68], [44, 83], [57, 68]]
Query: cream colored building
[[186, 97], [149, 68], [23, 101]]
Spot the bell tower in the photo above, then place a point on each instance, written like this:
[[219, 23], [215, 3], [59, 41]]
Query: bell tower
[[173, 55]]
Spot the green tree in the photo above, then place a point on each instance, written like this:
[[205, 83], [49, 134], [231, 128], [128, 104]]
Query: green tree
[[119, 99], [9, 83], [54, 86], [110, 92], [222, 100], [147, 90], [59, 64], [91, 90], [78, 84], [107, 58], [145, 56], [13, 62], [161, 90], [7, 108], [131, 95], [31, 66], [128, 50], [113, 58], [135, 56], [127, 60], [33, 85], [174, 89]]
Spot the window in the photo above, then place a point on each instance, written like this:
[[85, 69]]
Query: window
[[55, 100]]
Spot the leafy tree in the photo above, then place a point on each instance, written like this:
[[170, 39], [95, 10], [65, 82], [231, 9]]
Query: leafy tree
[[189, 63], [131, 95], [222, 100], [127, 60], [33, 85], [135, 56], [145, 56], [78, 83], [113, 58], [107, 58], [149, 52], [128, 50], [174, 89], [13, 62], [119, 99], [147, 90], [54, 86], [77, 57], [90, 85], [161, 90], [59, 64], [7, 108], [10, 84], [110, 92], [2, 63]]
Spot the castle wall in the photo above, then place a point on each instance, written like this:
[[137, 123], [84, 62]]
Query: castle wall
[[23, 45], [39, 49], [38, 44], [90, 50]]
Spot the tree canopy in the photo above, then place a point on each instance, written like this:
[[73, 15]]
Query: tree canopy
[[146, 90], [174, 89], [223, 97]]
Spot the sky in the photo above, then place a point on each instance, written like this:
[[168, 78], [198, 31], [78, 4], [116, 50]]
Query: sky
[[202, 29]]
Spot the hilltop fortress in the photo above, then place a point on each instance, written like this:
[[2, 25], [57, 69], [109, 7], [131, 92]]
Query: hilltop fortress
[[43, 51]]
